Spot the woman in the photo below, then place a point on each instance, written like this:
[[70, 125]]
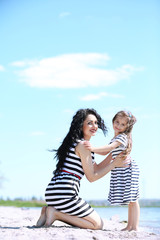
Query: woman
[[74, 160]]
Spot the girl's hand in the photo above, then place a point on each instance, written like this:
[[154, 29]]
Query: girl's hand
[[122, 160], [87, 145]]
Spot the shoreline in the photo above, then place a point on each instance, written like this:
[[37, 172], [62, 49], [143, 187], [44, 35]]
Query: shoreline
[[16, 224], [19, 202]]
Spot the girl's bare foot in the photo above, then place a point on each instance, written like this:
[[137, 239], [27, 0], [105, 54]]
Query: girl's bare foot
[[126, 229], [133, 229], [41, 221], [50, 216]]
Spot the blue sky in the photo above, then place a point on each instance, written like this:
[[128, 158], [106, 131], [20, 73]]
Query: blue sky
[[59, 56]]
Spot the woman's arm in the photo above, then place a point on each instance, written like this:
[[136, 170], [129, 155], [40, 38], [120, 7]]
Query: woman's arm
[[94, 172], [104, 163]]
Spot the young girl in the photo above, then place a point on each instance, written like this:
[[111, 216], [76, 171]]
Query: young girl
[[124, 182]]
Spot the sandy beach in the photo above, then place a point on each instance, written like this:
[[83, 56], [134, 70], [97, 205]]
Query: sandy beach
[[16, 223]]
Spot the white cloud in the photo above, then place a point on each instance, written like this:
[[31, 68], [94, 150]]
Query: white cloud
[[64, 14], [73, 71], [19, 64], [24, 63], [1, 68], [98, 96], [37, 133]]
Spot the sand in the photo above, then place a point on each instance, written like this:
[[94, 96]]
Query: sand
[[16, 223]]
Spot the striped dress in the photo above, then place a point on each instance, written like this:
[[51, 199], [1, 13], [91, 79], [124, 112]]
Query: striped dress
[[62, 191], [124, 182]]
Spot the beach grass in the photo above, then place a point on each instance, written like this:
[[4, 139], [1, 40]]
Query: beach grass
[[22, 203], [40, 203]]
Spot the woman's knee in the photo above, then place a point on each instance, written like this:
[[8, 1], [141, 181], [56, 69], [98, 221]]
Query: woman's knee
[[98, 225], [94, 218]]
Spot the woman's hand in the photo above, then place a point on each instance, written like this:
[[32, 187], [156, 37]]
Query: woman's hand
[[122, 160], [87, 145]]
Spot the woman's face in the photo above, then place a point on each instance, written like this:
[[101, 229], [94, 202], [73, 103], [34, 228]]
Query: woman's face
[[90, 126]]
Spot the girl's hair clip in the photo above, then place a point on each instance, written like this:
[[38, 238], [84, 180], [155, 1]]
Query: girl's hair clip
[[129, 114]]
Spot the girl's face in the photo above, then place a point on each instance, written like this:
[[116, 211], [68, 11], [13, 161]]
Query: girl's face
[[90, 126], [120, 125]]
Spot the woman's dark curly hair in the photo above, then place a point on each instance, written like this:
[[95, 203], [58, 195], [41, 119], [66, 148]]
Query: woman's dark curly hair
[[75, 133]]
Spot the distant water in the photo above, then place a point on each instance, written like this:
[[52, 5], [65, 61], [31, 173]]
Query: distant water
[[149, 216]]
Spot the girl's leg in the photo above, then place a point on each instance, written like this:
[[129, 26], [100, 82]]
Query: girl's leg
[[135, 214], [92, 221], [129, 224]]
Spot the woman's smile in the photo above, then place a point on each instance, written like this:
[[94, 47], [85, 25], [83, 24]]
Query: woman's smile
[[90, 126]]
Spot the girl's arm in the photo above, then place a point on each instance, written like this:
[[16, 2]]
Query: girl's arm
[[102, 150], [92, 171], [102, 153], [88, 146]]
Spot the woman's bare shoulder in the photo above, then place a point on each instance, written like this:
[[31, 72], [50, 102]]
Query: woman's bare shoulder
[[80, 145], [81, 148]]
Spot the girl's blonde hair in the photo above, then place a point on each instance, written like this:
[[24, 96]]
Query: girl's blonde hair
[[131, 120]]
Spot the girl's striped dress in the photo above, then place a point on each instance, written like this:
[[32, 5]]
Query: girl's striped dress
[[124, 182], [62, 191]]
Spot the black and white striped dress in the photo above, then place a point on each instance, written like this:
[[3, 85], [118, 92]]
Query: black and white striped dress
[[62, 191], [124, 182]]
